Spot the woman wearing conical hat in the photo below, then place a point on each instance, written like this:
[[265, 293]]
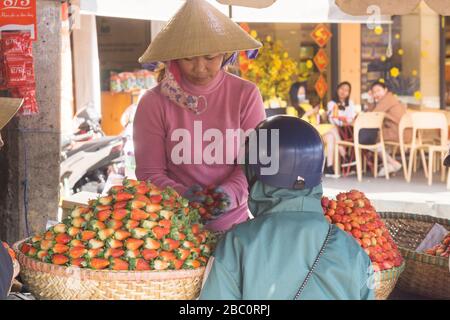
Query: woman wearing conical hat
[[184, 127]]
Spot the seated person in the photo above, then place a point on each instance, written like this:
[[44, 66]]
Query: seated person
[[385, 101], [288, 251], [341, 110]]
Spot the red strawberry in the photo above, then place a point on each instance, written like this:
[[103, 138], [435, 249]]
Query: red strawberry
[[88, 235], [131, 224], [149, 254], [195, 229], [98, 263], [177, 264], [167, 256], [203, 260], [32, 252], [105, 200], [116, 189], [114, 244], [182, 254], [121, 235], [165, 223], [100, 208], [142, 197], [147, 224], [135, 204], [118, 264], [73, 232], [192, 264], [60, 228], [170, 244], [46, 244], [59, 259], [133, 244], [153, 216], [79, 211], [120, 214], [114, 224], [152, 244], [114, 253], [96, 244], [139, 265], [36, 238], [105, 233], [159, 232], [141, 189], [188, 244], [196, 252], [96, 225], [104, 215], [138, 215], [123, 196], [25, 248], [129, 183], [156, 198], [132, 254], [77, 252], [78, 222], [153, 207], [120, 205], [139, 233], [160, 265], [60, 248], [76, 243], [79, 262], [63, 238], [42, 255], [166, 214]]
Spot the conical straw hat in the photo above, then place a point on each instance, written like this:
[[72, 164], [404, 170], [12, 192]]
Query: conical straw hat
[[8, 108], [198, 29]]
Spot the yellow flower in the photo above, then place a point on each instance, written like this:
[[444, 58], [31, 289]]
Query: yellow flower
[[309, 64], [395, 72], [378, 30], [383, 58], [414, 73], [400, 52], [418, 95], [269, 39], [253, 33]]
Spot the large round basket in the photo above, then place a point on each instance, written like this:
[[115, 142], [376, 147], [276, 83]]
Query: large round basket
[[385, 281], [52, 282], [424, 275]]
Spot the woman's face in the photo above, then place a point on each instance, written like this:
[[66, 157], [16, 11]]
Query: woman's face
[[201, 70], [344, 92], [301, 91], [378, 93]]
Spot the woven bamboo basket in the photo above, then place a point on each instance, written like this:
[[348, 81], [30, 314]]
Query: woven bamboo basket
[[386, 281], [424, 275], [52, 282]]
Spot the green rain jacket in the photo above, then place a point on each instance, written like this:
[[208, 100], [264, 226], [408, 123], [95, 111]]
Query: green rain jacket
[[269, 257]]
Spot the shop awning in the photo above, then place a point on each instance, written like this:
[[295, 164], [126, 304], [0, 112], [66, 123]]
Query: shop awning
[[389, 7], [281, 11]]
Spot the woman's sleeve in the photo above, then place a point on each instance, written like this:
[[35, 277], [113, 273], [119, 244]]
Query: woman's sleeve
[[332, 120], [149, 143], [236, 185]]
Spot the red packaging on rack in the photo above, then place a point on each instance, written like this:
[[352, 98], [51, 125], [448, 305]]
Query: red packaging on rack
[[28, 93], [19, 71], [16, 43]]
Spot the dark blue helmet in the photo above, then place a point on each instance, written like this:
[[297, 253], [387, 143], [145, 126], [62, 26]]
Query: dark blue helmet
[[295, 149]]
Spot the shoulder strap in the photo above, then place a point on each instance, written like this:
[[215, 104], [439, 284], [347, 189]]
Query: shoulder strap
[[311, 271]]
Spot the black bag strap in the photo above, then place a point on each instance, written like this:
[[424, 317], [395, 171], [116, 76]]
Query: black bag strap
[[314, 266]]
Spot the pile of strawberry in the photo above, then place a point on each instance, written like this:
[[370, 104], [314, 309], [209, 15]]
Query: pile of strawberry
[[353, 213], [213, 202], [10, 251], [136, 227], [442, 249]]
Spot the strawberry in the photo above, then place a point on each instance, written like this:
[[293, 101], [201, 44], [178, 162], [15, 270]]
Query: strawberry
[[195, 228], [78, 222], [139, 265], [182, 254], [25, 248], [120, 214], [98, 263], [167, 256], [142, 197], [153, 207], [156, 199], [60, 248], [149, 254], [114, 244], [116, 189], [123, 196], [42, 255], [196, 252], [166, 214], [141, 189], [132, 254], [121, 235], [133, 244], [152, 244], [49, 235], [165, 223], [148, 224], [105, 200], [139, 215], [114, 253], [203, 261], [79, 262], [153, 216], [192, 264], [96, 225], [105, 233], [96, 244], [131, 224], [114, 224], [93, 253], [100, 208], [135, 204], [88, 216], [104, 215], [139, 233], [118, 264], [32, 252], [36, 238], [170, 244], [177, 264], [77, 252], [63, 238], [79, 211], [129, 183], [206, 249], [160, 265], [47, 244], [73, 232], [88, 235], [59, 259], [60, 228], [120, 205], [159, 232], [76, 243], [188, 244]]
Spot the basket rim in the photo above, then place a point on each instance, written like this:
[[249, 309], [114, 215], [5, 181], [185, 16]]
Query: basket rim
[[393, 273], [101, 275], [412, 254]]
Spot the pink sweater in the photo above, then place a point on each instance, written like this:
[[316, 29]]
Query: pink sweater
[[233, 103]]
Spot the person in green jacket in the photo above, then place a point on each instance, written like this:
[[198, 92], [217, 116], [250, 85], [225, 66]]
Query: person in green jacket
[[289, 250]]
